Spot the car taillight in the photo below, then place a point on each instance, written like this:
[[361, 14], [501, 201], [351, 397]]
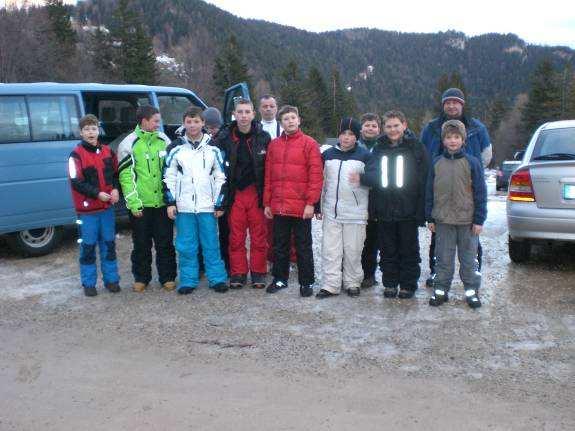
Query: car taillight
[[520, 187]]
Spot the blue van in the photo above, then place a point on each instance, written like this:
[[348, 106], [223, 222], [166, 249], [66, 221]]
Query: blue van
[[39, 129]]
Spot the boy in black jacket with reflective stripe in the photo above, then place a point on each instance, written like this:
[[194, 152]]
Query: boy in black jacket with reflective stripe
[[397, 174]]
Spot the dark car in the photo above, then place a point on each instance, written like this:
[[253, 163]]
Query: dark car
[[503, 174]]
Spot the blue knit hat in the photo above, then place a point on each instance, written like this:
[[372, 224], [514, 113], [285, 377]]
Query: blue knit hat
[[212, 117], [453, 93]]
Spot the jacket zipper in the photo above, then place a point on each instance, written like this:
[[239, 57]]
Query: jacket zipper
[[337, 187], [283, 175], [355, 197]]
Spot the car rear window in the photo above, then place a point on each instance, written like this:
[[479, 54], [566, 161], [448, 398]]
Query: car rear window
[[555, 141]]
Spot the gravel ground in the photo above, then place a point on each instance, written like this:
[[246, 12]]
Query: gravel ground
[[250, 360]]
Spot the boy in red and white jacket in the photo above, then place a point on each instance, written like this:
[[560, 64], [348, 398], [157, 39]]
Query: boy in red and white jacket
[[293, 183], [93, 172]]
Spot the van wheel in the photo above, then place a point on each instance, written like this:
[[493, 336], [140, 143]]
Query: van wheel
[[35, 242], [519, 251]]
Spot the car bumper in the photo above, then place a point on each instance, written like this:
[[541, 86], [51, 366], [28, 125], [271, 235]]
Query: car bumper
[[526, 221]]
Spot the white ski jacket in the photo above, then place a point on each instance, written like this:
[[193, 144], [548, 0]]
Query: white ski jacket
[[194, 176]]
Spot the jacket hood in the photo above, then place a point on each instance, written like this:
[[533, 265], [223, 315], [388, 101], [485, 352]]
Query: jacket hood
[[142, 133]]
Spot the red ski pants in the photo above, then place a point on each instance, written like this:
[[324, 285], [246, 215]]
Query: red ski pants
[[245, 215]]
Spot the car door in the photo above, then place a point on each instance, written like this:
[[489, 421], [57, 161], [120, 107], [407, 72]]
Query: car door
[[235, 92]]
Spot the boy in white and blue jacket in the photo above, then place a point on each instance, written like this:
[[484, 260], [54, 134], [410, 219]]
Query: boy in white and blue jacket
[[195, 187], [344, 212]]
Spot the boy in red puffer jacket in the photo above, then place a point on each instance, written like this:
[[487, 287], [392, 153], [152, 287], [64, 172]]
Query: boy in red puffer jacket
[[293, 184]]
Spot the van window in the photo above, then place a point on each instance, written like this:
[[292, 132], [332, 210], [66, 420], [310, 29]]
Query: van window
[[53, 118], [14, 125], [116, 112], [172, 107]]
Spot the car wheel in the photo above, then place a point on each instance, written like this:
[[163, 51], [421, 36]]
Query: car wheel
[[519, 251], [35, 242]]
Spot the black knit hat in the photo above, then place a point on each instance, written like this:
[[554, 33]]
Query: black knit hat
[[349, 124], [453, 93]]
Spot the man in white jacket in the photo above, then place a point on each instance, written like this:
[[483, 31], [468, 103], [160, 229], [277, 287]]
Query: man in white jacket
[[194, 192], [268, 112]]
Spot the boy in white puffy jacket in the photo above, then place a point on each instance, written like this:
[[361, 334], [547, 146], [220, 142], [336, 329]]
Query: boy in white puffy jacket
[[195, 187], [344, 213]]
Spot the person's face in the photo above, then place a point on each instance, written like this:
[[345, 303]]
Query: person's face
[[453, 142], [347, 140], [290, 122], [370, 130], [268, 109], [394, 129], [193, 126], [453, 108], [213, 130], [89, 133], [152, 124], [244, 114]]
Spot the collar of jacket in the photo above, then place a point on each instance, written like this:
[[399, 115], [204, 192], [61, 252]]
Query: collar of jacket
[[196, 145], [293, 136], [92, 148], [145, 135], [406, 140], [350, 151], [458, 155]]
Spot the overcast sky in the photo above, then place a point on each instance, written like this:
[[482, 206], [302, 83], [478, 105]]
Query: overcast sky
[[549, 22]]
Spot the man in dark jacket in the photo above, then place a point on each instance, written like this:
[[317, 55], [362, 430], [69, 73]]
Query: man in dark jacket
[[244, 145], [477, 144], [397, 172]]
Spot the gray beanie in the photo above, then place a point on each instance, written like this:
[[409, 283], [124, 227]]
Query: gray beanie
[[212, 117], [453, 126], [453, 93]]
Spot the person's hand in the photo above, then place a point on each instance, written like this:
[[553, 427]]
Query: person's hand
[[431, 227], [308, 212], [354, 178], [476, 229], [172, 211], [137, 214], [114, 196], [218, 213], [104, 197], [319, 216], [268, 213]]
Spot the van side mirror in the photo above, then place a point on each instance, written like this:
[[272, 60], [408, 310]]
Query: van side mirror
[[519, 155]]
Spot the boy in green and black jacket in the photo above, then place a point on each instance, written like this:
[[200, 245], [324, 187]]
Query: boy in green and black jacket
[[141, 165]]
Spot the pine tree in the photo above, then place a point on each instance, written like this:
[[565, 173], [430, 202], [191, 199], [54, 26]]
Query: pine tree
[[294, 90], [568, 93], [230, 67], [342, 103], [135, 57], [318, 99], [62, 40], [496, 111], [544, 98], [104, 58]]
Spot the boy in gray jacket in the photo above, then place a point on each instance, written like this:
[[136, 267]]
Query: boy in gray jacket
[[456, 208]]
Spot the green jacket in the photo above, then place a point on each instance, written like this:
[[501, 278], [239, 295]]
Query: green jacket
[[141, 163]]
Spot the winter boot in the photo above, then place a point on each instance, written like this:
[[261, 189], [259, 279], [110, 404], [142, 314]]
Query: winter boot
[[368, 282], [258, 280], [439, 297], [90, 291], [276, 286], [306, 290], [472, 298], [113, 287], [237, 281], [139, 287]]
